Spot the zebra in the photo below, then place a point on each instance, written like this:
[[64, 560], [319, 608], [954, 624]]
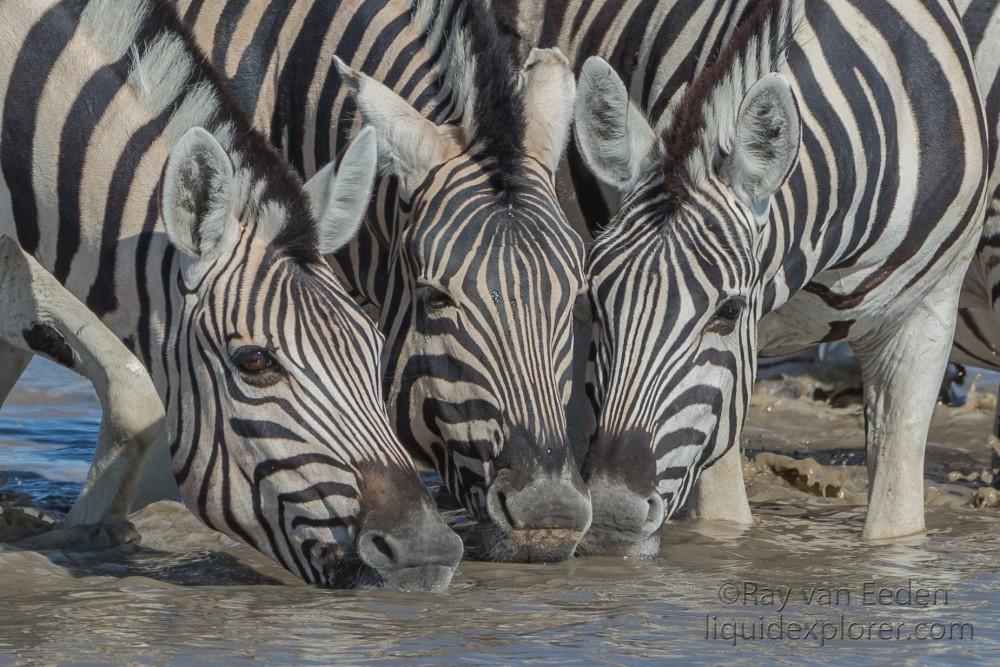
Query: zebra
[[660, 47], [780, 203], [466, 257], [977, 335], [136, 189]]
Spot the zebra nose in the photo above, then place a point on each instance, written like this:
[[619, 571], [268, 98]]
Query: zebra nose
[[411, 550], [625, 521], [543, 520]]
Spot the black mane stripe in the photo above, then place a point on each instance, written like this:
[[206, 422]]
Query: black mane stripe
[[685, 133], [298, 237], [500, 115]]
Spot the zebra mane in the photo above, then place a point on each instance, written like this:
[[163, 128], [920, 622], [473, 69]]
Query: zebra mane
[[478, 65], [172, 79], [705, 117]]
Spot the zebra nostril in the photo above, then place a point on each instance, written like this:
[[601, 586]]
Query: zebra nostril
[[502, 500], [545, 503], [395, 540], [382, 545], [654, 512]]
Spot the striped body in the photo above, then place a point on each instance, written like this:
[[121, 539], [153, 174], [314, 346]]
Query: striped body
[[659, 47], [862, 242], [468, 260], [977, 337], [200, 249], [656, 46]]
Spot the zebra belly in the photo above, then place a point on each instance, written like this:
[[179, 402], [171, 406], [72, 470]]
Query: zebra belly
[[977, 338], [807, 320]]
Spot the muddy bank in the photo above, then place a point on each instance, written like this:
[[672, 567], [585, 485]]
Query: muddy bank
[[798, 448]]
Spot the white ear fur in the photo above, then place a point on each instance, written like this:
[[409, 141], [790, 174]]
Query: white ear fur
[[549, 94], [197, 186], [409, 145], [614, 137], [766, 146], [339, 202]]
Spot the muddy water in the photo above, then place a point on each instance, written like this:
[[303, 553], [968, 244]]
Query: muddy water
[[189, 596]]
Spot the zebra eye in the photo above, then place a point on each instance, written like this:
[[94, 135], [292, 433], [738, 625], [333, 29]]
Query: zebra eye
[[253, 360], [724, 320], [433, 298]]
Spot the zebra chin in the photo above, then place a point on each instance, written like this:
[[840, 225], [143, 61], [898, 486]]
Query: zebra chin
[[382, 570], [626, 522], [541, 545], [356, 574]]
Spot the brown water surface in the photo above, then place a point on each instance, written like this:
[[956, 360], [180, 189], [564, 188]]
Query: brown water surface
[[190, 596]]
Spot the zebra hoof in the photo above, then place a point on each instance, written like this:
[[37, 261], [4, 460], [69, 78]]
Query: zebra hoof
[[20, 523]]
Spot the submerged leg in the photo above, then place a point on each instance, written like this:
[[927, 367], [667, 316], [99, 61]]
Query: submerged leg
[[41, 317], [902, 364], [720, 494], [995, 445]]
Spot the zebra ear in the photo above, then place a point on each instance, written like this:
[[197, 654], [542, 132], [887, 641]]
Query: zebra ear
[[549, 93], [614, 137], [339, 202], [409, 145], [766, 145], [197, 184]]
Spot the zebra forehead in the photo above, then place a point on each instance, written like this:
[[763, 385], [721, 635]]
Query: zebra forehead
[[653, 244], [514, 244], [530, 215]]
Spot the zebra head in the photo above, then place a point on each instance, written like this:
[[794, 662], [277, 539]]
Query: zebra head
[[486, 271], [277, 426], [676, 285]]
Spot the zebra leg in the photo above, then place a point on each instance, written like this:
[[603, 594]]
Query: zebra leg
[[995, 445], [902, 364], [42, 317], [13, 361], [720, 494]]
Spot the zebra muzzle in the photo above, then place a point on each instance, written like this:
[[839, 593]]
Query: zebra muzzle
[[541, 521], [626, 522], [411, 550]]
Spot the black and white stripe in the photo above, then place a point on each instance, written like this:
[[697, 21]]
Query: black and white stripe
[[657, 46], [977, 337], [137, 181], [977, 334], [866, 241], [466, 255]]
